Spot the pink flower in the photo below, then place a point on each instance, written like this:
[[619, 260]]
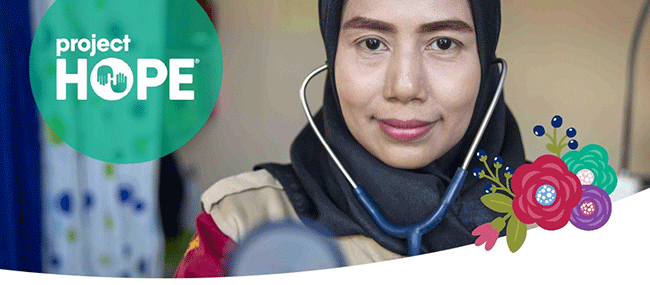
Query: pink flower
[[486, 234]]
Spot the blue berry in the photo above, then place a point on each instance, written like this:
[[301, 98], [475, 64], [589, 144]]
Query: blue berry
[[480, 153], [498, 159], [509, 170], [573, 144], [476, 172], [488, 188], [571, 132], [556, 122], [539, 130]]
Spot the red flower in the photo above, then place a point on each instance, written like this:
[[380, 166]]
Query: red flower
[[545, 192], [486, 234]]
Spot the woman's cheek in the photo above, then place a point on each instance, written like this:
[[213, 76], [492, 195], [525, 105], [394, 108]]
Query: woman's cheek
[[462, 105], [352, 102], [358, 88], [455, 85], [457, 97]]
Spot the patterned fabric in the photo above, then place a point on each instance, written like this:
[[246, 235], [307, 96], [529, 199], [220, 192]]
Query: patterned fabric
[[100, 219]]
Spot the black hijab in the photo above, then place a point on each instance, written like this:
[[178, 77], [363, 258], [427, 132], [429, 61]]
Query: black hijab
[[319, 191]]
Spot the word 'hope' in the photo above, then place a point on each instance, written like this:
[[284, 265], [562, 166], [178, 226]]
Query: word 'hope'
[[112, 78]]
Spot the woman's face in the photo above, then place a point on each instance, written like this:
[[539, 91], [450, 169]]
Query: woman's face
[[407, 76]]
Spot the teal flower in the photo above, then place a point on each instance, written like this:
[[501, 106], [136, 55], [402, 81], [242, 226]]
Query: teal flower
[[591, 166]]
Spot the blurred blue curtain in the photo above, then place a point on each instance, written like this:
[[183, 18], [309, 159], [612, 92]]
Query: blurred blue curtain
[[20, 195]]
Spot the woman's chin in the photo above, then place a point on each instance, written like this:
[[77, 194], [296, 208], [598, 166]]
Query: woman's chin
[[406, 161]]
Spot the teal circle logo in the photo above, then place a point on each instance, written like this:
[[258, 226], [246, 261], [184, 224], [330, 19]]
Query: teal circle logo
[[125, 81]]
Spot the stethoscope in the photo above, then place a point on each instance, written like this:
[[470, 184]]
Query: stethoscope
[[412, 233]]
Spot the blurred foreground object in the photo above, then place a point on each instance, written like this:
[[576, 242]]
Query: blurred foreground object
[[283, 248]]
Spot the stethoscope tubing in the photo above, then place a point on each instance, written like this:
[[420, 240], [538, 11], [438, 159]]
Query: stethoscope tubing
[[412, 233]]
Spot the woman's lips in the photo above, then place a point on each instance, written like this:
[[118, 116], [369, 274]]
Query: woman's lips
[[405, 130]]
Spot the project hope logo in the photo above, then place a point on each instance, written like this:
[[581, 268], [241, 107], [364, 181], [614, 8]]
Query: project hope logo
[[125, 81], [111, 78]]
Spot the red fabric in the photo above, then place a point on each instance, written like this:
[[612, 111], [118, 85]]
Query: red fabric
[[207, 252]]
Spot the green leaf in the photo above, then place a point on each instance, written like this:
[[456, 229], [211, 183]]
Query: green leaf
[[498, 224], [497, 202], [516, 233], [551, 147]]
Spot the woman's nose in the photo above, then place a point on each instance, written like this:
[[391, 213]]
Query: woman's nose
[[405, 77]]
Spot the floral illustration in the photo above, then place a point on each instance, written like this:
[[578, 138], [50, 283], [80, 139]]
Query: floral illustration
[[488, 234], [550, 192], [498, 198], [594, 209], [545, 192], [556, 147], [591, 165]]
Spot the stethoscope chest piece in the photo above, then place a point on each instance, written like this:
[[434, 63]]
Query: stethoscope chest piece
[[282, 248]]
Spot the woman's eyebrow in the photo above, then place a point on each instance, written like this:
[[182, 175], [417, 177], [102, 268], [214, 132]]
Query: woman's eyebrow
[[368, 24], [452, 25], [377, 25]]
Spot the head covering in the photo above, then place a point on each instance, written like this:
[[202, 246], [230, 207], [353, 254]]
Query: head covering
[[319, 191]]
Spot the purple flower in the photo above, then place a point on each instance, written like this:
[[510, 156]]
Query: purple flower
[[594, 209]]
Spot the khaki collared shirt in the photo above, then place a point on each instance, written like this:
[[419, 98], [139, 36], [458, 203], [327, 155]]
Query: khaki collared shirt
[[239, 203]]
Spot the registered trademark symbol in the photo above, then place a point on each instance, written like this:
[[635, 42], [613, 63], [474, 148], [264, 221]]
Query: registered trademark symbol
[[196, 60]]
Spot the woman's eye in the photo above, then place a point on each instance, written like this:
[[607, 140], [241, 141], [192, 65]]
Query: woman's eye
[[372, 44], [444, 44]]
